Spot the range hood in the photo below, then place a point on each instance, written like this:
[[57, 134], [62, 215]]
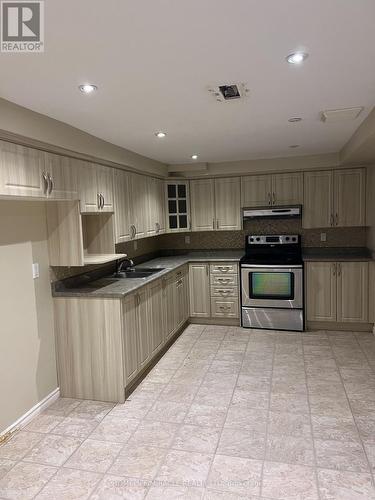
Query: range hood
[[272, 212]]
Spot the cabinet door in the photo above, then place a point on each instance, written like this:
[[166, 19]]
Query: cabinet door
[[177, 206], [228, 204], [152, 215], [350, 189], [130, 332], [138, 206], [122, 208], [105, 187], [21, 171], [144, 351], [256, 190], [170, 316], [318, 199], [352, 292], [202, 205], [88, 187], [155, 316], [287, 189], [182, 298], [321, 291], [63, 181], [160, 207], [199, 290]]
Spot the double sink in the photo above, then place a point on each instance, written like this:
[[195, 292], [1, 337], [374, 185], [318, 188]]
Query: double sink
[[140, 272]]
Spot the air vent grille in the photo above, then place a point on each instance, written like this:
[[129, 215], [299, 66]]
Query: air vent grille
[[229, 92]]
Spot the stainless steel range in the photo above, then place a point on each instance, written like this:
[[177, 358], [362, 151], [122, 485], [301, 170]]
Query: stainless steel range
[[272, 283]]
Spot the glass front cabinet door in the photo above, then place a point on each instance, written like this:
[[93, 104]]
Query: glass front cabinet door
[[178, 206]]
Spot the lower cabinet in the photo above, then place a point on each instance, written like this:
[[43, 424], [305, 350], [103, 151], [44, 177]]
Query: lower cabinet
[[337, 291], [156, 329], [175, 291], [199, 278]]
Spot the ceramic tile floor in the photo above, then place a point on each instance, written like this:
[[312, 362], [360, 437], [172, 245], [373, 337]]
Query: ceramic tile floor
[[226, 414]]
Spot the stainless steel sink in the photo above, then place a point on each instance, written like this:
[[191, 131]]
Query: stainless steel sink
[[140, 272]]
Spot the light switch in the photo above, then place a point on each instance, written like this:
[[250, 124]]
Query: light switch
[[35, 270], [187, 240], [323, 236]]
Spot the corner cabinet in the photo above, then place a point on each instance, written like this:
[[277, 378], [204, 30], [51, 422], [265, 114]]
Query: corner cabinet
[[177, 203], [337, 292], [334, 198]]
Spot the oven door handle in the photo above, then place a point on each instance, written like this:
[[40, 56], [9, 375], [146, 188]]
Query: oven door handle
[[271, 266]]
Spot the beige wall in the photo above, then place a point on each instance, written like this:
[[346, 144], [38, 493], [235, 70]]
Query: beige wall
[[371, 208], [27, 354], [24, 122]]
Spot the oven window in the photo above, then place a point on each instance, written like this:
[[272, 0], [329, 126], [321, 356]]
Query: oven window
[[271, 285]]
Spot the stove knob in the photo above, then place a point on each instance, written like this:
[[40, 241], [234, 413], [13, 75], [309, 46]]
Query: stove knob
[[294, 239], [287, 238], [258, 239], [251, 239]]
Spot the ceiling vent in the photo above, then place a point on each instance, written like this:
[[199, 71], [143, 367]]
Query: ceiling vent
[[340, 115], [229, 92]]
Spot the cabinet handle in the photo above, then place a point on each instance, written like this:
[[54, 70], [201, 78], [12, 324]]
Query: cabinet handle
[[223, 280], [207, 270], [99, 196], [337, 219], [269, 199], [226, 308], [331, 220], [339, 269], [51, 184], [103, 201], [274, 197], [334, 269], [157, 226], [213, 223], [224, 291], [45, 180], [217, 224]]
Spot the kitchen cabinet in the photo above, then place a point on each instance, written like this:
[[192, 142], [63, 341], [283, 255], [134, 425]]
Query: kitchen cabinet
[[61, 177], [122, 206], [272, 189], [155, 317], [182, 297], [155, 207], [138, 206], [224, 290], [321, 290], [177, 205], [130, 337], [334, 198], [144, 351], [337, 292], [199, 290], [95, 185], [21, 171], [202, 204], [352, 292], [215, 204], [175, 292], [228, 204]]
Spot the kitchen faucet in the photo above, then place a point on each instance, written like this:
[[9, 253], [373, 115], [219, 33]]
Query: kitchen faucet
[[129, 263]]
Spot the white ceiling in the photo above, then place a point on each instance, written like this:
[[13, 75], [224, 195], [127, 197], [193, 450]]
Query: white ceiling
[[154, 59]]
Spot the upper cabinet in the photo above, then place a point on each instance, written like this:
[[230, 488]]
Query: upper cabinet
[[334, 199], [138, 206], [21, 171], [215, 204], [62, 179], [268, 190], [228, 204], [95, 184], [122, 206], [155, 207], [177, 206]]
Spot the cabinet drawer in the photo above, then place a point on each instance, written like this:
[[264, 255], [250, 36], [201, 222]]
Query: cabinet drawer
[[224, 291], [223, 268], [228, 280], [226, 308]]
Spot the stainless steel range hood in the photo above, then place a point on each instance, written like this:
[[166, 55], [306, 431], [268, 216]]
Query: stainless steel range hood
[[272, 212]]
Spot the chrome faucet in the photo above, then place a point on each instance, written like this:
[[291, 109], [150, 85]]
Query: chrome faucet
[[129, 263]]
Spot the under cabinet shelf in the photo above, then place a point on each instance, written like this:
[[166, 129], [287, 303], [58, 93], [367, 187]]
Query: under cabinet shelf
[[102, 258]]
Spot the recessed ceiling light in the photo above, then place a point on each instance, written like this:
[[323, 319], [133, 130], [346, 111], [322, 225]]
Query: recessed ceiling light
[[160, 134], [296, 57], [88, 88], [194, 157], [295, 119], [294, 146]]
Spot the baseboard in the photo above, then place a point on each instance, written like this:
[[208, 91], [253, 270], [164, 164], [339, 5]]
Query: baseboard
[[215, 321], [33, 412], [328, 325]]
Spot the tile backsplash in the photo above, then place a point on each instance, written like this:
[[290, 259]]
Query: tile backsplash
[[216, 240]]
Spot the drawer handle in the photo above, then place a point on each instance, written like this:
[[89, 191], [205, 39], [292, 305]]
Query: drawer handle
[[224, 280], [224, 291], [224, 308]]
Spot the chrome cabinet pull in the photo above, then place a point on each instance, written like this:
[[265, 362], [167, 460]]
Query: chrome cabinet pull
[[99, 201], [51, 184], [334, 269], [217, 223], [269, 199], [331, 220], [337, 219], [46, 183], [339, 269], [103, 201], [274, 197], [213, 223]]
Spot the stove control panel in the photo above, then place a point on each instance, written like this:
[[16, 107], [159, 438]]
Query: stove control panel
[[273, 239]]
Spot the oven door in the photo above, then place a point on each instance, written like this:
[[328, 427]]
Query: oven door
[[270, 286]]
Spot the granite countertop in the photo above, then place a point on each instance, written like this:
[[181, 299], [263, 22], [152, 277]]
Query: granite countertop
[[108, 287], [360, 254]]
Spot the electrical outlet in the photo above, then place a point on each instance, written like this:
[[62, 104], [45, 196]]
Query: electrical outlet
[[323, 236], [35, 270], [135, 245], [187, 240]]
